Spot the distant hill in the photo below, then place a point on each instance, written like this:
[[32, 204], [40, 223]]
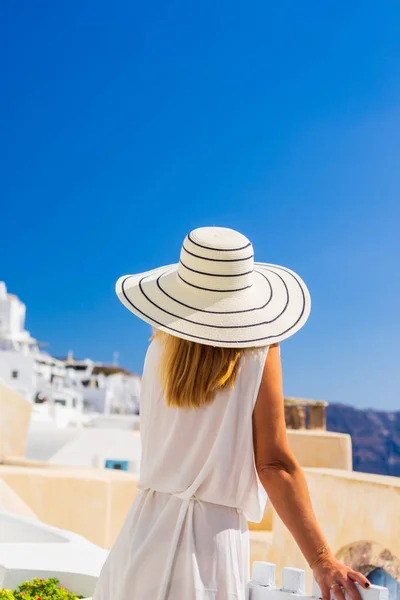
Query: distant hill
[[375, 435]]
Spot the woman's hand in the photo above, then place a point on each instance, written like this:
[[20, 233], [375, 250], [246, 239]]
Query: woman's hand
[[332, 575]]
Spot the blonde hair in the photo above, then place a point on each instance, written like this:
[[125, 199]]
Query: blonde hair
[[192, 373]]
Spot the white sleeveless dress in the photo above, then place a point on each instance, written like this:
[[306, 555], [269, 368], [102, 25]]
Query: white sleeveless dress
[[186, 535]]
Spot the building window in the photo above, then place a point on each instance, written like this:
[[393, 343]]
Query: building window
[[120, 465], [14, 374]]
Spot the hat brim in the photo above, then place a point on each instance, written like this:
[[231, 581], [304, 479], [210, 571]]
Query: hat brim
[[275, 307]]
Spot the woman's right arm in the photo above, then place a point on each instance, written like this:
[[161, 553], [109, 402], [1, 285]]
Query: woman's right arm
[[286, 486]]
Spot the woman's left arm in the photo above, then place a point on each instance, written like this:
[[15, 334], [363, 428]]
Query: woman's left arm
[[285, 484]]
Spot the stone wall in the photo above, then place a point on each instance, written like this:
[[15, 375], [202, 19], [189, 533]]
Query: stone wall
[[305, 414]]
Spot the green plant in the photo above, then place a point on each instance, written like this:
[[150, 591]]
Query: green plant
[[39, 589], [6, 595]]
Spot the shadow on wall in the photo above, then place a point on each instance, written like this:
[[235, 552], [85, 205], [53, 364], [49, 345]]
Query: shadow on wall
[[377, 563]]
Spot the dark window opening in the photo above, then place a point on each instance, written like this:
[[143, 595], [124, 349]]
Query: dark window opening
[[120, 465]]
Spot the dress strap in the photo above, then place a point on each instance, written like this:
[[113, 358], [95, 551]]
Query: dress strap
[[186, 509]]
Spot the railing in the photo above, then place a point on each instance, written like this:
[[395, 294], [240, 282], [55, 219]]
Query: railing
[[305, 414], [262, 586]]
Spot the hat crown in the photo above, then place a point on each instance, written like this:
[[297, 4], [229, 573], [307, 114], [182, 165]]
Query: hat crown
[[216, 259]]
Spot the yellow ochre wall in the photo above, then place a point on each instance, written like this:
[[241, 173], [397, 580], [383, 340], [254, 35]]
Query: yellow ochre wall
[[351, 507], [314, 448], [91, 502], [15, 414], [94, 502]]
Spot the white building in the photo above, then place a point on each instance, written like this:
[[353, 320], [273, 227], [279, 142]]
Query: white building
[[108, 389], [23, 366], [62, 391], [101, 448], [13, 335]]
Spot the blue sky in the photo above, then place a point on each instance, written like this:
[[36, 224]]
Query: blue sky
[[126, 125]]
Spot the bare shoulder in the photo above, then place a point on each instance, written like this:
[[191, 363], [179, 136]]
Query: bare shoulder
[[271, 379], [269, 428]]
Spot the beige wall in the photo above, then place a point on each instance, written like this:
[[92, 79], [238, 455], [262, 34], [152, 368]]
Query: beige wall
[[11, 502], [350, 507], [314, 448], [93, 503], [317, 448], [15, 414]]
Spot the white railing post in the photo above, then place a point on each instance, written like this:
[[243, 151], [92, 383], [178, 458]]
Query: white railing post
[[262, 586], [263, 574], [294, 580], [316, 592]]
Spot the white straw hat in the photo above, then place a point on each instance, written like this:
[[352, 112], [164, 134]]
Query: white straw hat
[[217, 295]]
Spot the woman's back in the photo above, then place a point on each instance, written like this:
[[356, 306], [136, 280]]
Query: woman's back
[[205, 452], [198, 486], [186, 535]]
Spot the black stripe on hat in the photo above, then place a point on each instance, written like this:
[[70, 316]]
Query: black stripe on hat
[[216, 274], [217, 312], [217, 326], [199, 287], [234, 342], [216, 259], [218, 249]]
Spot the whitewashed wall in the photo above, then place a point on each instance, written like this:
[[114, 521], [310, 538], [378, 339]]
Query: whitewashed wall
[[24, 368], [91, 447], [29, 548], [121, 422]]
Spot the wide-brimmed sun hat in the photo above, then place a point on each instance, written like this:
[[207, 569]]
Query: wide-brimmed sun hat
[[217, 295]]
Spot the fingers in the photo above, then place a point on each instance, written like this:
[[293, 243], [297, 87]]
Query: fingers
[[351, 589], [325, 592], [337, 591], [344, 580], [360, 578]]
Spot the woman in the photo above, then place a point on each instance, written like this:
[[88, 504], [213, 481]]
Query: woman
[[212, 426]]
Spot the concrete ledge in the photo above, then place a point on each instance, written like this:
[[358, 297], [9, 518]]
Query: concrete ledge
[[19, 529], [27, 563], [357, 476], [321, 449], [29, 549], [18, 461]]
